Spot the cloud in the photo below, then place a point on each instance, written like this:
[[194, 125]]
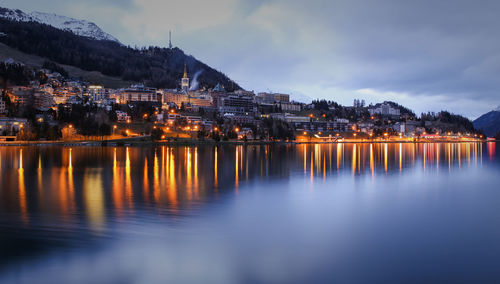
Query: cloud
[[444, 53]]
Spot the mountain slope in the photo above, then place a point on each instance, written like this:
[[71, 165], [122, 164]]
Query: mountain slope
[[33, 61], [78, 27], [489, 123], [154, 66]]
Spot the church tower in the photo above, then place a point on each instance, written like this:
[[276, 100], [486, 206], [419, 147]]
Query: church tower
[[185, 80]]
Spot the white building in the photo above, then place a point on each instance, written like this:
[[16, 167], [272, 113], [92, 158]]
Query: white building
[[289, 106], [384, 109], [122, 116]]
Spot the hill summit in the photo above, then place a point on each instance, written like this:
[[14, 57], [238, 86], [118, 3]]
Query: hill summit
[[489, 122]]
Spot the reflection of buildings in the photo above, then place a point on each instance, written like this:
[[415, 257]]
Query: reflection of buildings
[[117, 181]]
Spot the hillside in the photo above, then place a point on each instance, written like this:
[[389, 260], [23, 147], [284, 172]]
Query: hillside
[[489, 123], [153, 66], [36, 62]]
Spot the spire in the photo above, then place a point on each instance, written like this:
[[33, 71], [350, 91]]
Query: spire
[[170, 39], [185, 71]]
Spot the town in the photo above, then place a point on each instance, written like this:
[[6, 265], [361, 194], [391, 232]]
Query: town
[[54, 107]]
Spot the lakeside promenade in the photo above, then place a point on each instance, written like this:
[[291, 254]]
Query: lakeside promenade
[[146, 140]]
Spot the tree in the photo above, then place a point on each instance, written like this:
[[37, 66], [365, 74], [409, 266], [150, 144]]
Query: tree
[[156, 134]]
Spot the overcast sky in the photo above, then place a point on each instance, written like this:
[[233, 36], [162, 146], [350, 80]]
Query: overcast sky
[[425, 54]]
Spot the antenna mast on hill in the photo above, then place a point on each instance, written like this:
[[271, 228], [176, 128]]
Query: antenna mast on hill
[[170, 39]]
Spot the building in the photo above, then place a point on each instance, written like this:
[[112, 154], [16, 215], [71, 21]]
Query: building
[[237, 104], [273, 98], [10, 125], [179, 98], [289, 106], [63, 94], [136, 93], [43, 101], [3, 108], [20, 95], [291, 118], [97, 93], [240, 119], [122, 116], [384, 109], [185, 80], [365, 126], [174, 96]]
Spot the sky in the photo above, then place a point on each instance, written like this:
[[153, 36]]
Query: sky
[[427, 55]]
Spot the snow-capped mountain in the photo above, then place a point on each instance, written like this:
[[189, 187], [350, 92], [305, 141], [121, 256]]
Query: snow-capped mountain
[[78, 27]]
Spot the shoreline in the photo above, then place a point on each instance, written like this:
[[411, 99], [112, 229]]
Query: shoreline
[[132, 142]]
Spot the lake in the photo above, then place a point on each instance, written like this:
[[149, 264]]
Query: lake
[[318, 213]]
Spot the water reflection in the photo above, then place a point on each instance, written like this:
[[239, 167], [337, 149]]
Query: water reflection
[[59, 180], [52, 196]]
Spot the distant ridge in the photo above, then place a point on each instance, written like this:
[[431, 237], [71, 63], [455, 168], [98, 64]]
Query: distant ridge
[[489, 122]]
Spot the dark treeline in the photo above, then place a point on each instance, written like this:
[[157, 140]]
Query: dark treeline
[[450, 121], [55, 68], [154, 66], [15, 74]]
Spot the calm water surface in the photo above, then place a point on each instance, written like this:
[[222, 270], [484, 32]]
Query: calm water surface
[[330, 213]]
